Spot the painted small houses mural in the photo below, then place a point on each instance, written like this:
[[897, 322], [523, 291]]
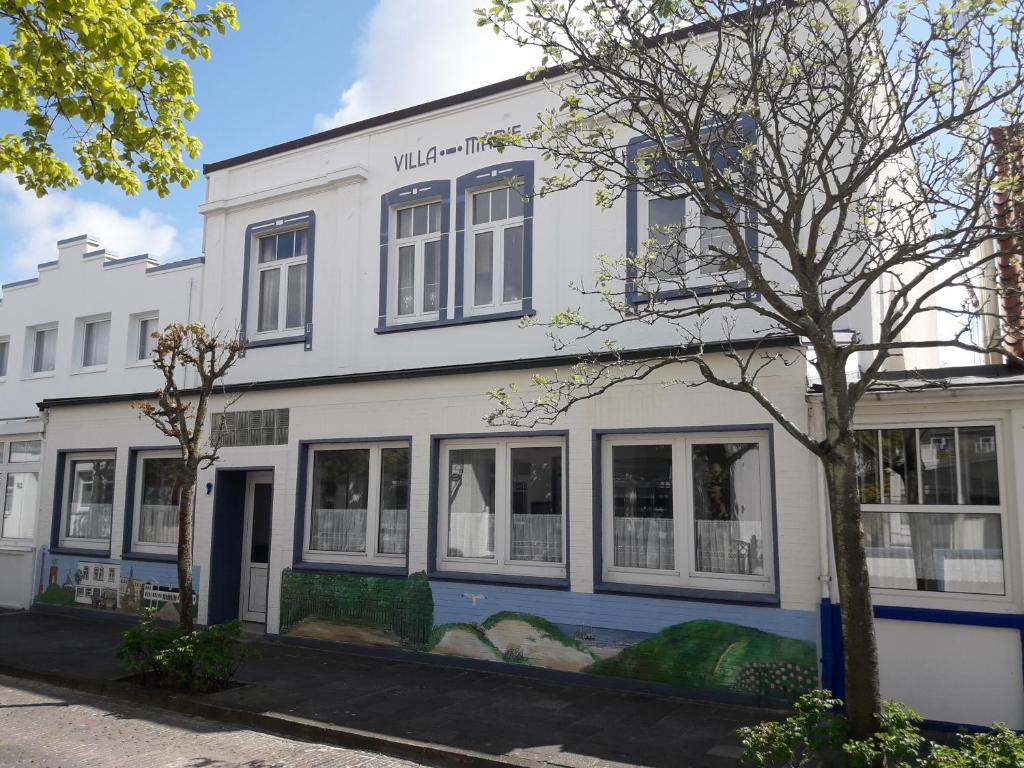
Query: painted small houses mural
[[400, 613], [108, 585]]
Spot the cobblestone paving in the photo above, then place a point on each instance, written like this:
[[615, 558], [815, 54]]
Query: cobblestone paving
[[42, 725]]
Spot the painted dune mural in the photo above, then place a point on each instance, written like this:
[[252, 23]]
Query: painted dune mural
[[399, 613]]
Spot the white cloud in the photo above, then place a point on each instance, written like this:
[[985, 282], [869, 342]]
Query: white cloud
[[35, 224], [412, 52]]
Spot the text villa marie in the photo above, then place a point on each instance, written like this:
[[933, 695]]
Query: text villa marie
[[471, 145]]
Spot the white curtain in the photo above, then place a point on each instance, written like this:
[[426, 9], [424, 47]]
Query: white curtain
[[394, 531], [471, 534], [537, 538], [730, 546], [338, 530], [158, 524], [89, 521], [644, 542]]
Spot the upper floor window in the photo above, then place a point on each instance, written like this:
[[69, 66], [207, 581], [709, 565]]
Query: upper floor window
[[19, 486], [5, 348], [501, 509], [416, 261], [933, 509], [88, 500], [495, 240], [687, 246], [141, 344], [43, 347], [689, 511], [92, 342], [277, 294]]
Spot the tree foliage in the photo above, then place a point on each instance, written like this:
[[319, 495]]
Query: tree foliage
[[111, 75]]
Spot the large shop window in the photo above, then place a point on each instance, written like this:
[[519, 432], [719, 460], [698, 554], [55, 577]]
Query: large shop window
[[159, 481], [88, 500], [19, 483], [502, 507], [279, 268], [358, 504], [933, 510], [688, 511], [415, 262]]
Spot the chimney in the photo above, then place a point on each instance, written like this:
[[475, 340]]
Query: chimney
[[1008, 214]]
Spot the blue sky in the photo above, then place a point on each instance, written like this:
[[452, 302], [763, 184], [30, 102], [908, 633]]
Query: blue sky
[[280, 76]]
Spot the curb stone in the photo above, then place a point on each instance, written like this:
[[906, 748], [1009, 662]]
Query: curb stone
[[287, 726]]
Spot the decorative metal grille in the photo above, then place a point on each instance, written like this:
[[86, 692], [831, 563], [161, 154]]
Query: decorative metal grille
[[238, 428]]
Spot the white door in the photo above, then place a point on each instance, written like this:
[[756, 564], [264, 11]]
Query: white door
[[259, 496]]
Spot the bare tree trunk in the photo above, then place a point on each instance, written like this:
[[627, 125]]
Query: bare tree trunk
[[863, 697], [188, 491]]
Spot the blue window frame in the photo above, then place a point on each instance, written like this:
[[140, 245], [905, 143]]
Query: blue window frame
[[494, 242], [654, 217], [414, 237], [277, 287]]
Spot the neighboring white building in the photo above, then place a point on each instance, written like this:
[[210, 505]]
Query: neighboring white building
[[378, 273]]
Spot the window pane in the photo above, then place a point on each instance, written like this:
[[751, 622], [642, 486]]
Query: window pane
[[537, 504], [867, 466], [471, 503], [431, 275], [515, 200], [301, 242], [4, 346], [899, 466], [481, 208], [286, 245], [393, 536], [979, 470], [419, 220], [405, 222], [44, 355], [406, 279], [938, 466], [512, 256], [499, 204], [935, 552], [262, 510], [341, 489], [715, 241], [664, 224], [434, 224], [268, 249], [295, 311], [147, 343], [161, 494], [20, 505], [727, 510], [270, 298], [642, 506], [483, 268], [95, 343], [24, 450], [92, 499]]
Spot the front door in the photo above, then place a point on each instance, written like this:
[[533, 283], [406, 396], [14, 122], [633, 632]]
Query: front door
[[259, 496]]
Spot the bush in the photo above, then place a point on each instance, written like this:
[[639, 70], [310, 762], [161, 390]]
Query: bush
[[818, 731], [200, 661]]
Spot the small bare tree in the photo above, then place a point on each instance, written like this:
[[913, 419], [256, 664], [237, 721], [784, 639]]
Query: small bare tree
[[835, 156], [182, 414]]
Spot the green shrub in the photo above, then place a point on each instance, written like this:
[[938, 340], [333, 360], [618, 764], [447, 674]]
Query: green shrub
[[200, 661], [817, 731]]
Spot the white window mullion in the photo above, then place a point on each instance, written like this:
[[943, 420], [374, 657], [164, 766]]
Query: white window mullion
[[373, 505], [682, 509]]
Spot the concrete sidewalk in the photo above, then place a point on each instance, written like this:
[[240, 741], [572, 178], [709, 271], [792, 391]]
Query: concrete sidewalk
[[420, 711]]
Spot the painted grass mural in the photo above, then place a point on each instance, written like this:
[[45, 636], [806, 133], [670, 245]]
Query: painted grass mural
[[399, 613]]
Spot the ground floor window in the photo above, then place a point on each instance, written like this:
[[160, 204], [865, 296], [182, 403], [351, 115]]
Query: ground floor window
[[358, 503], [157, 495], [88, 500], [688, 510], [502, 505], [932, 505]]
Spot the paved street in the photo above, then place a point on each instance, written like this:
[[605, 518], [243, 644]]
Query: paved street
[[49, 727]]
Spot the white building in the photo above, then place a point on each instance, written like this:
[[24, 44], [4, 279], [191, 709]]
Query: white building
[[378, 272]]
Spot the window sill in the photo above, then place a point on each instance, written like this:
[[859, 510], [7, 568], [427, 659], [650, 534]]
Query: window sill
[[697, 291], [90, 369], [275, 341], [66, 550], [686, 593], [16, 546], [147, 363], [466, 320], [149, 557], [39, 375], [380, 570], [500, 578]]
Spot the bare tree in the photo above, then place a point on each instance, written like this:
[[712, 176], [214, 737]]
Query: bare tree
[[181, 413], [830, 158]]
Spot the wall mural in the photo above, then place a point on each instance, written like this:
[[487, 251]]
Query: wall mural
[[119, 586], [399, 613]]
